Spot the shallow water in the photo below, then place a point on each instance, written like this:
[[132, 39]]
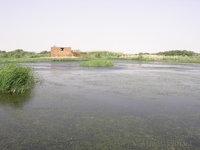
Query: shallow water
[[132, 105]]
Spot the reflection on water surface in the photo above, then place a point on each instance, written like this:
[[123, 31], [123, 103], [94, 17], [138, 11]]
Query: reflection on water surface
[[132, 105]]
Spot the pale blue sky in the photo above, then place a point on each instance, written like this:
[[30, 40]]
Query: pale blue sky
[[129, 26]]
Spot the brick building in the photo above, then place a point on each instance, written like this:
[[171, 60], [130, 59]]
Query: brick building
[[61, 52]]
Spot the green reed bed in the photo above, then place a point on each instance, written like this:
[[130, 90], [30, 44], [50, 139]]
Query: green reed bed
[[97, 63], [181, 59], [22, 60], [15, 78]]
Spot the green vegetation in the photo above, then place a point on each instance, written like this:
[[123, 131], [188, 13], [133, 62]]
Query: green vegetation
[[19, 56], [19, 53], [15, 78], [177, 53], [22, 60], [104, 54], [97, 63], [183, 59], [172, 56]]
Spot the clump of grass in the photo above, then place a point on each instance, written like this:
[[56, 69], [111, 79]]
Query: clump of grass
[[97, 63], [15, 78]]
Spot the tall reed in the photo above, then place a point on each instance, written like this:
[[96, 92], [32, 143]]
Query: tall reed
[[16, 78]]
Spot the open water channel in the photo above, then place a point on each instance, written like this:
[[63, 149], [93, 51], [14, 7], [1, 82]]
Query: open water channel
[[132, 105]]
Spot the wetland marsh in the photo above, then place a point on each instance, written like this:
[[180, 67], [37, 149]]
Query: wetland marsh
[[131, 105]]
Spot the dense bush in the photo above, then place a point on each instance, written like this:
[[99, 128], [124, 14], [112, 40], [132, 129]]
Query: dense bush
[[100, 54], [17, 56], [143, 53], [2, 51], [177, 53], [19, 53], [3, 55], [44, 52], [15, 78]]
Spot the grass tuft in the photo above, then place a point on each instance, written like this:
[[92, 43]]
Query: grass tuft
[[97, 63], [15, 78]]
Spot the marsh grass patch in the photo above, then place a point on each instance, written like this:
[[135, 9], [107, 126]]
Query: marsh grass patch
[[97, 63], [15, 78]]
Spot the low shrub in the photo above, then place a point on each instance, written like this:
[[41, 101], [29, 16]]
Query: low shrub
[[4, 55], [15, 78], [34, 56], [17, 56]]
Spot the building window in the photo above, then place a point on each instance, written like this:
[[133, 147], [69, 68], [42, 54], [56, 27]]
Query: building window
[[62, 49]]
